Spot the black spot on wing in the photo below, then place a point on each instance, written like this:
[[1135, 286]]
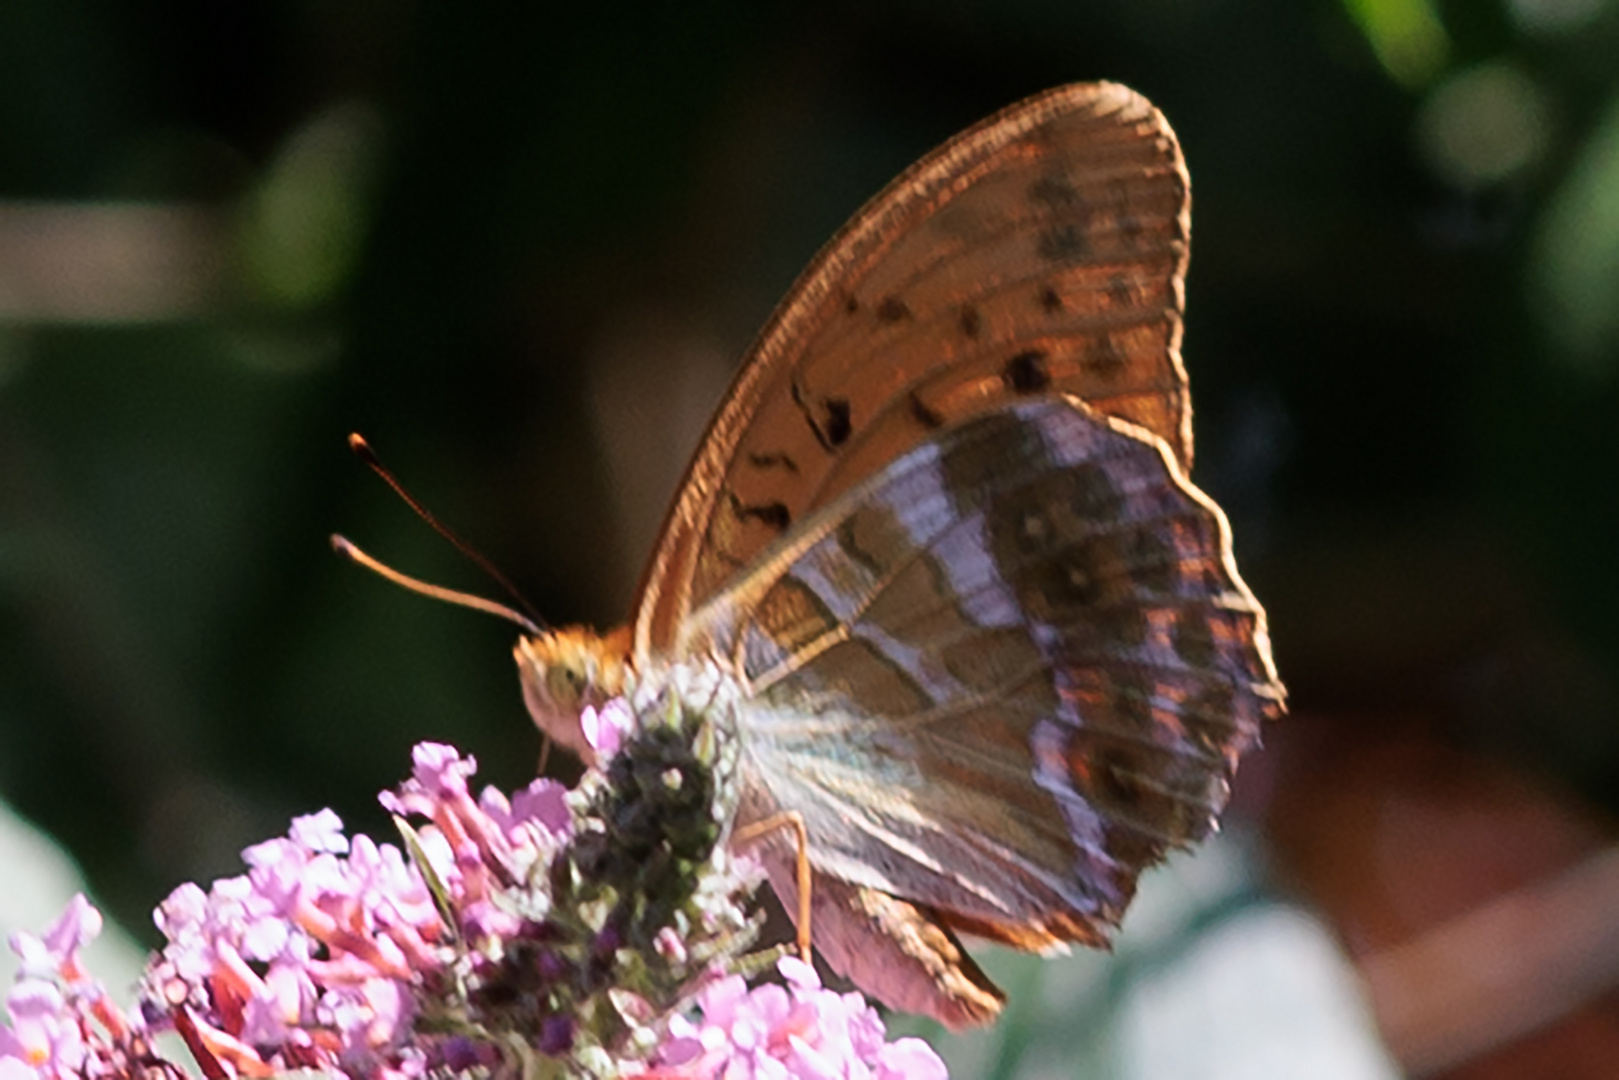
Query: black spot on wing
[[1053, 193], [925, 414], [1063, 243], [1050, 301], [829, 419], [1026, 373], [777, 460], [838, 426], [1066, 238], [972, 323], [892, 310], [1130, 226], [1120, 293], [1103, 358], [774, 513]]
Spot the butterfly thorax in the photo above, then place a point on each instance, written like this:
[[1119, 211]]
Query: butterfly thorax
[[566, 671]]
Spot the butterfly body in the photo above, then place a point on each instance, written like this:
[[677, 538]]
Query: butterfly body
[[989, 640]]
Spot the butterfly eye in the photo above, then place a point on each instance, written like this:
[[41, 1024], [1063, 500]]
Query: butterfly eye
[[566, 682], [562, 672]]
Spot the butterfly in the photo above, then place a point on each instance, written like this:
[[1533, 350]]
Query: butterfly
[[992, 643]]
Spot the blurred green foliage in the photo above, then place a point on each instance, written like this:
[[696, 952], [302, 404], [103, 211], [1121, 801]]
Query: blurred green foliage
[[503, 241]]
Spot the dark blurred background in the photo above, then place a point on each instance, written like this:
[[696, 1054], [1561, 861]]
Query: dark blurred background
[[521, 247]]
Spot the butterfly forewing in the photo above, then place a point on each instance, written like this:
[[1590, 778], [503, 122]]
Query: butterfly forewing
[[1040, 251], [1004, 673]]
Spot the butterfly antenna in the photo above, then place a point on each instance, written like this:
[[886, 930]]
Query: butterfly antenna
[[343, 547], [528, 618]]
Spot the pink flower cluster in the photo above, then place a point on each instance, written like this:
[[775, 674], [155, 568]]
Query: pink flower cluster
[[61, 1022], [321, 955], [354, 957], [796, 1030]]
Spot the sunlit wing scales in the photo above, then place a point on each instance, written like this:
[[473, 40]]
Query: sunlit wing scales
[[994, 647]]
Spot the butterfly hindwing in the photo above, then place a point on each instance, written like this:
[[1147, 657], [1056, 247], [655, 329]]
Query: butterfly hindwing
[[1003, 674], [896, 950]]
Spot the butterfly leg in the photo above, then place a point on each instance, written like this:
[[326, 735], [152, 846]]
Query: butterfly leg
[[787, 819]]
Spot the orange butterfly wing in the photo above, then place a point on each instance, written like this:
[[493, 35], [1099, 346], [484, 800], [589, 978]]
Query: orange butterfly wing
[[1044, 248]]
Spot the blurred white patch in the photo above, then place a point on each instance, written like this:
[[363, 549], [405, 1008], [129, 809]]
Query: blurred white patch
[[36, 881], [109, 262], [1483, 125], [1264, 994], [1207, 979]]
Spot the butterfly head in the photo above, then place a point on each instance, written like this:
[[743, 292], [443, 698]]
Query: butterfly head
[[566, 671]]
